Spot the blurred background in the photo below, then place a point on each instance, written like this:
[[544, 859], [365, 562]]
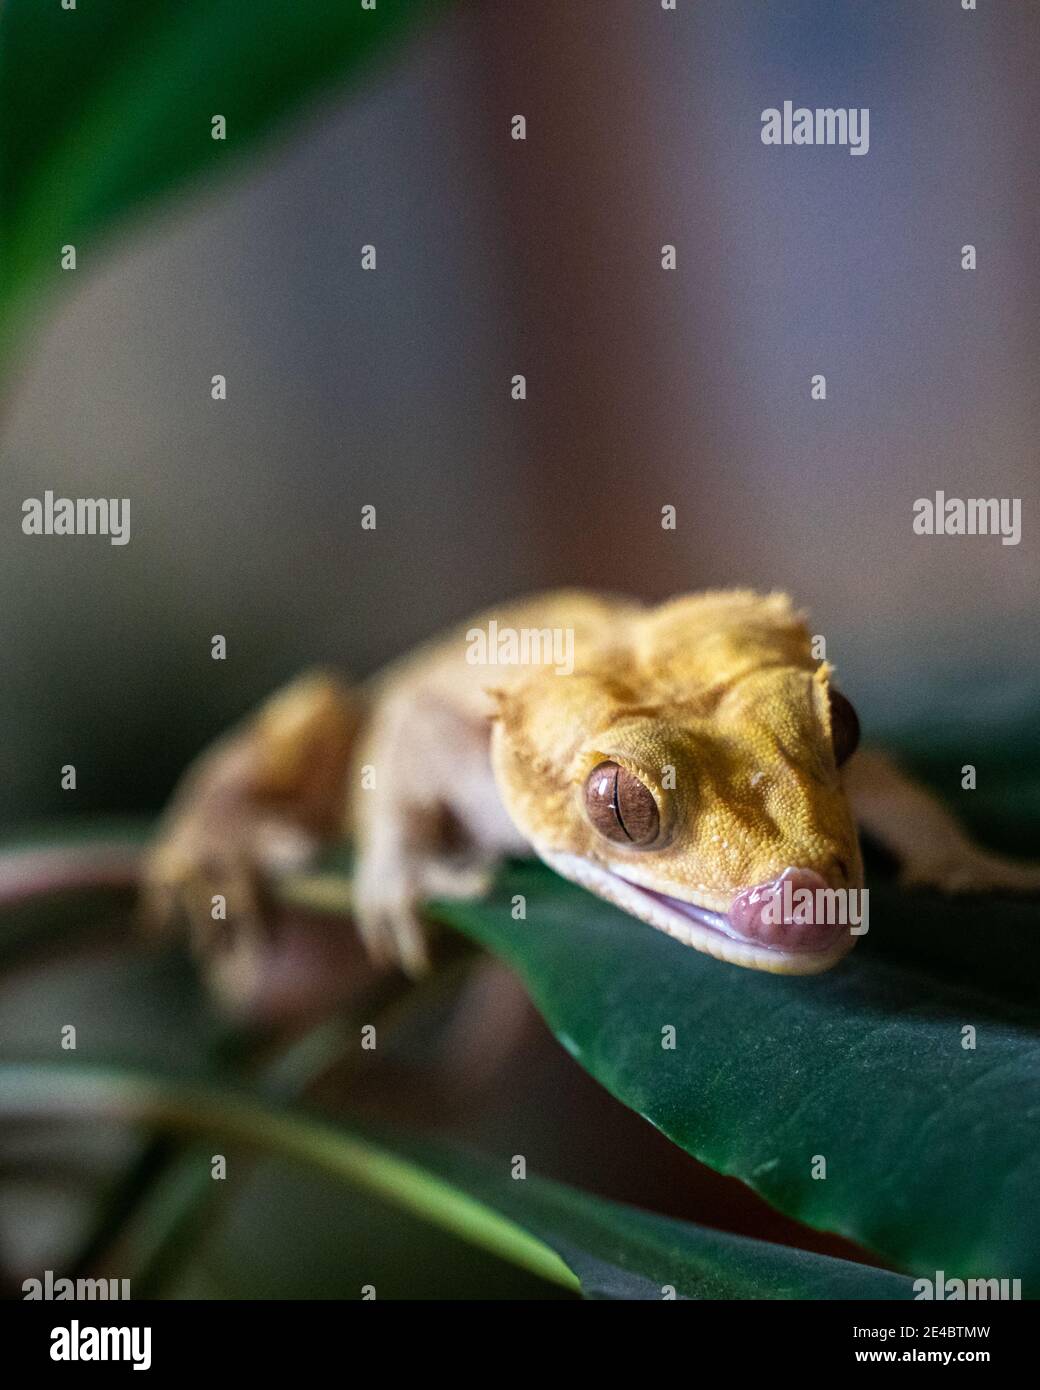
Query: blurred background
[[644, 387]]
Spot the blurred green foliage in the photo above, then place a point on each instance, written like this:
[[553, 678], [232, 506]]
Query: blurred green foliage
[[106, 107]]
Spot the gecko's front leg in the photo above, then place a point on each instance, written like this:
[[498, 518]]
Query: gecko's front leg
[[932, 848], [427, 818]]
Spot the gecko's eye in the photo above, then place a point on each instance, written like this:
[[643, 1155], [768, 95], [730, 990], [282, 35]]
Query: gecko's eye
[[844, 727], [620, 806]]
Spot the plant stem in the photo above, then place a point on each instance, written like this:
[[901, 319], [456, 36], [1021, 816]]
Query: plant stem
[[58, 1089]]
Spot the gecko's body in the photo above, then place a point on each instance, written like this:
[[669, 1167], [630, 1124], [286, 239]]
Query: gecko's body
[[693, 759]]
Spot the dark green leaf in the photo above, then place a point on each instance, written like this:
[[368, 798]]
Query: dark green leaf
[[619, 1251], [616, 1251], [931, 1149]]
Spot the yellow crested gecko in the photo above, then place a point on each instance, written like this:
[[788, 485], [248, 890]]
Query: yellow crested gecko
[[683, 762]]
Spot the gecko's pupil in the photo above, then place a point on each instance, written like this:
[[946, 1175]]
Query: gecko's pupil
[[620, 806], [844, 727]]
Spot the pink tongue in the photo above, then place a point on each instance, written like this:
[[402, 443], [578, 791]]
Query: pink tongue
[[775, 916]]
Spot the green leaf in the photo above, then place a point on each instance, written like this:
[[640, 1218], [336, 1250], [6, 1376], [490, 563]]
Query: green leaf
[[619, 1251], [548, 1229], [279, 1230], [107, 106], [931, 1149]]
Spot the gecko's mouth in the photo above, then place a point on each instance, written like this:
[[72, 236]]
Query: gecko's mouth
[[770, 927]]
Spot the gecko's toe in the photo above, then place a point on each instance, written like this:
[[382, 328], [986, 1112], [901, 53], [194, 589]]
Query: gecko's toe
[[386, 910], [394, 936], [217, 900]]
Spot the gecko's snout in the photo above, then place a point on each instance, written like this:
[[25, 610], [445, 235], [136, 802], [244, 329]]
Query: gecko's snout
[[798, 911]]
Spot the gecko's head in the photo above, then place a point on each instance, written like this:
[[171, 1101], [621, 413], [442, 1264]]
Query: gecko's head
[[720, 820]]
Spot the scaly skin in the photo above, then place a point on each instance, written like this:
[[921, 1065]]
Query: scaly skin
[[440, 767]]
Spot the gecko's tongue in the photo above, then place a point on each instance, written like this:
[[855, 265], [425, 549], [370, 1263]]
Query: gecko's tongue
[[790, 911], [784, 914], [777, 921]]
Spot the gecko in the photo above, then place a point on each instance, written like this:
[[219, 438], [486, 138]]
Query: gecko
[[687, 760]]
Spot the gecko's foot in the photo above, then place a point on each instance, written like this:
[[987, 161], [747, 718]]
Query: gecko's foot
[[973, 871], [388, 899], [265, 962], [214, 880]]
